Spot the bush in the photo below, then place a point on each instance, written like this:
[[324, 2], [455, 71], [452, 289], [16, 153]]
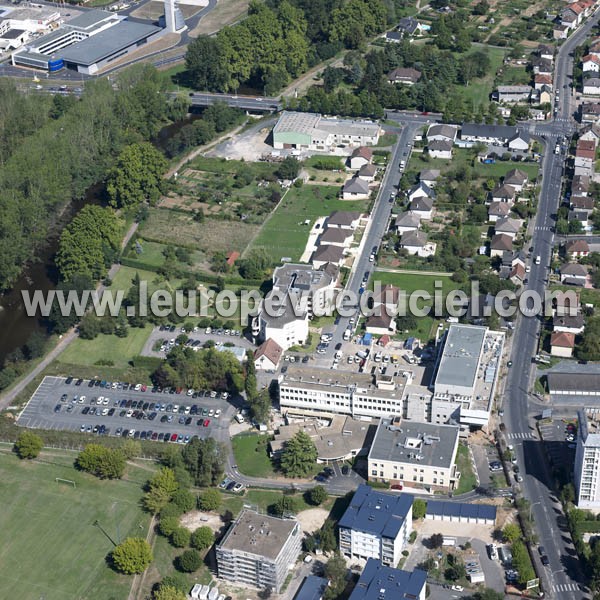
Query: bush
[[412, 537], [184, 499], [28, 445], [317, 495], [189, 561], [419, 508], [167, 525], [171, 510], [202, 538], [180, 538], [210, 500]]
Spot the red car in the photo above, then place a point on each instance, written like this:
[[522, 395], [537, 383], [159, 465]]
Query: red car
[[206, 422], [174, 437], [144, 388]]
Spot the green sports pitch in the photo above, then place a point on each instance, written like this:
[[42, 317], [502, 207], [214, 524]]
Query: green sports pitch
[[51, 548]]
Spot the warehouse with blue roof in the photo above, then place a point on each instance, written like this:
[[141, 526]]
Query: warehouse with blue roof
[[376, 524], [460, 512], [378, 582]]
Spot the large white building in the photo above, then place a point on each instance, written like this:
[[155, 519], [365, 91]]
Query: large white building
[[314, 391], [311, 131], [466, 375], [587, 460], [416, 455], [376, 525]]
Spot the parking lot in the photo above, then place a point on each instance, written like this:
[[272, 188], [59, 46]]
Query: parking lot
[[127, 410]]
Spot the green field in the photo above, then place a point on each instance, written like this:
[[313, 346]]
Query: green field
[[285, 234], [412, 282], [107, 347], [50, 548], [479, 90], [251, 455], [468, 480]]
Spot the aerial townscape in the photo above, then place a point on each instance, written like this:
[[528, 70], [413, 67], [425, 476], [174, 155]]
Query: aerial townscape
[[298, 299]]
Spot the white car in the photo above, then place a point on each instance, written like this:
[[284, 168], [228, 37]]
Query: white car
[[218, 413], [457, 588], [138, 387], [104, 412], [190, 393], [106, 400], [129, 413]]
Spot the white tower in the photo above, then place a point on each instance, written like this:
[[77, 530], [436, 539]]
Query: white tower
[[174, 21]]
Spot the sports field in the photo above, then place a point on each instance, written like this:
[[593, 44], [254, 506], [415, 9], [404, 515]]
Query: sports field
[[50, 548]]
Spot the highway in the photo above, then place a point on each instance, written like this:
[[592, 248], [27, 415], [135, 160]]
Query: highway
[[563, 577]]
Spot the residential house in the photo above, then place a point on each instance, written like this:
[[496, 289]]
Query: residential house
[[541, 79], [560, 32], [590, 133], [517, 274], [378, 582], [416, 243], [508, 226], [582, 217], [591, 86], [590, 63], [429, 177], [381, 324], [569, 324], [440, 149], [498, 210], [487, 134], [562, 344], [570, 16], [367, 173], [360, 157], [503, 193], [585, 154], [409, 26], [406, 76], [387, 299], [420, 190], [580, 185], [564, 304], [542, 96], [582, 204], [268, 355], [336, 236], [441, 132], [327, 253], [345, 219], [545, 52], [519, 142], [500, 243], [423, 207], [407, 221], [576, 249], [573, 274], [542, 65], [394, 37], [355, 189], [590, 112], [516, 178], [513, 93]]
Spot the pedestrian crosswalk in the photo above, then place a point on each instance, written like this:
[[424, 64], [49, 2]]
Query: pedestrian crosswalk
[[524, 435], [565, 587], [543, 228]]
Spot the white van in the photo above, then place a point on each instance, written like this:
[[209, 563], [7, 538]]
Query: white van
[[239, 418], [347, 334]]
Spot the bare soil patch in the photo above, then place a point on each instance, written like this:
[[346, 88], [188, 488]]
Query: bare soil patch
[[225, 13]]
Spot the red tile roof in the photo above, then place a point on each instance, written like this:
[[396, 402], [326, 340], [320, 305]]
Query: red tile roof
[[563, 339]]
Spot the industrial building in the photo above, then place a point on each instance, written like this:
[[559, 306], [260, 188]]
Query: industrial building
[[259, 550], [310, 131], [376, 525], [386, 583], [418, 455], [466, 375], [587, 459], [323, 392], [92, 41]]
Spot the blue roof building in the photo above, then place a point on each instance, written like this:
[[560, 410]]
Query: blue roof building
[[312, 588], [376, 525], [385, 583], [461, 512]]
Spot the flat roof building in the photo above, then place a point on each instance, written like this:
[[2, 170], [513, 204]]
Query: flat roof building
[[587, 459], [418, 455], [313, 588], [259, 550], [461, 512], [385, 583], [376, 525]]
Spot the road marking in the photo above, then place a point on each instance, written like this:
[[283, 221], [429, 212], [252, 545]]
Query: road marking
[[520, 436], [565, 587]]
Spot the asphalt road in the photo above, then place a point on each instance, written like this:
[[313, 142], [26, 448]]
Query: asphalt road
[[563, 578]]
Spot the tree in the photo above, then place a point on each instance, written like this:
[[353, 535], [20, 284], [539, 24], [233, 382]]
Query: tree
[[328, 537], [299, 456], [184, 499], [161, 489], [168, 592], [288, 168], [180, 538], [260, 407], [131, 449], [335, 571], [137, 176], [419, 508], [511, 532], [105, 463], [167, 525], [133, 555], [250, 386], [487, 594], [28, 445], [202, 538], [189, 561], [89, 243], [522, 563], [436, 540], [284, 505], [210, 500], [204, 460], [255, 264], [317, 495], [204, 64]]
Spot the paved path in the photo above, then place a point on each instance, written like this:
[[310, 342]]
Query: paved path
[[9, 396]]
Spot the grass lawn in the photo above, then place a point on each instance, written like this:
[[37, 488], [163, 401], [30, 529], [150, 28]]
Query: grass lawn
[[412, 282], [479, 90], [389, 139], [468, 480], [251, 455], [124, 278], [50, 548], [107, 347], [500, 168], [285, 233]]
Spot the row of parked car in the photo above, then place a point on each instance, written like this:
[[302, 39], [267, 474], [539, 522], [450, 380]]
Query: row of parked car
[[231, 485], [136, 434]]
